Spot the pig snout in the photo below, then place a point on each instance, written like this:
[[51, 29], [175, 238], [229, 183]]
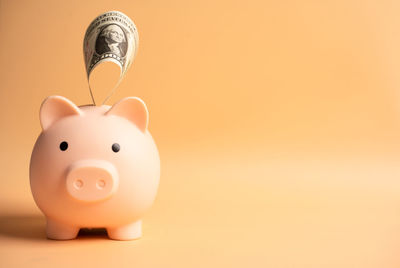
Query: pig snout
[[91, 180]]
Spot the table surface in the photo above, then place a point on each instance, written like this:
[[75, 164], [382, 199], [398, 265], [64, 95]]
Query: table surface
[[230, 211]]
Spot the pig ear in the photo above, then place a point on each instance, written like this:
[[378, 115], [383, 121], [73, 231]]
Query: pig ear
[[54, 108], [133, 109]]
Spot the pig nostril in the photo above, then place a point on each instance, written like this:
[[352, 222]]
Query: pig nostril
[[101, 184], [78, 184]]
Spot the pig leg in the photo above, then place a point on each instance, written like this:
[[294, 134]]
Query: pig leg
[[126, 232], [59, 231]]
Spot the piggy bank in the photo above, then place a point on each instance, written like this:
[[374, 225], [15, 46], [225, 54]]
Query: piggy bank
[[94, 167]]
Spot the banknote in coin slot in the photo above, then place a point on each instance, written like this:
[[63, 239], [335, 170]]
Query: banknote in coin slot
[[111, 37]]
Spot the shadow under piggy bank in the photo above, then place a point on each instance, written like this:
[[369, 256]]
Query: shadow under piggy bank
[[33, 227]]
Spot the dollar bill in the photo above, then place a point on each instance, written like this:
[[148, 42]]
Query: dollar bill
[[112, 36]]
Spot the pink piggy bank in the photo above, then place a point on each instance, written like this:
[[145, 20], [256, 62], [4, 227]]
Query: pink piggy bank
[[94, 167]]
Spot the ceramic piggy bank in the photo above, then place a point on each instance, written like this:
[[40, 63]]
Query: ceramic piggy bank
[[94, 167]]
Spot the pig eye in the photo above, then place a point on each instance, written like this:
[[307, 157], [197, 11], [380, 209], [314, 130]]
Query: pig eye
[[63, 146], [115, 147]]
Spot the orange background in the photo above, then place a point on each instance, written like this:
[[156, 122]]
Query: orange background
[[277, 124]]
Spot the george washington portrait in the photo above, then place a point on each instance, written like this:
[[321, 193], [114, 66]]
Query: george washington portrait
[[111, 39]]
